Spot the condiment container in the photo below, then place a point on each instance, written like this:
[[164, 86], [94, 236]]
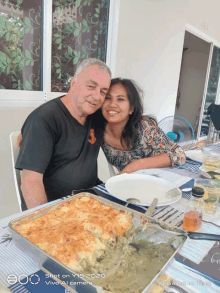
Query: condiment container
[[194, 210]]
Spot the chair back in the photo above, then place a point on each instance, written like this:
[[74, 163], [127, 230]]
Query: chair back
[[16, 173], [214, 112]]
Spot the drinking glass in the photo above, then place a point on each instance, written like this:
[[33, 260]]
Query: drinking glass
[[211, 162], [211, 195]]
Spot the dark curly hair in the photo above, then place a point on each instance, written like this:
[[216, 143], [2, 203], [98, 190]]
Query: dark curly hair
[[135, 97]]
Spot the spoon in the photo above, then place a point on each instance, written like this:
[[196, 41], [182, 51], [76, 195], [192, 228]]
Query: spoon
[[132, 200]]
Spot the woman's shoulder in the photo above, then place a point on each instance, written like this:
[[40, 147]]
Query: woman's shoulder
[[148, 121]]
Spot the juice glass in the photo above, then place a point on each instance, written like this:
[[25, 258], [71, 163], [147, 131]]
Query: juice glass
[[211, 161], [211, 195]]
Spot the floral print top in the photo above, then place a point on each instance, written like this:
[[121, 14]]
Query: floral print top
[[151, 141]]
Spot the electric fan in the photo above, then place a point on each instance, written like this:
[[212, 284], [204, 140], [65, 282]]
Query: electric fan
[[179, 130]]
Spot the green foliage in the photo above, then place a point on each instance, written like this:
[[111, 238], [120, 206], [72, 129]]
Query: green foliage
[[56, 4], [78, 2], [28, 85], [78, 39], [19, 2]]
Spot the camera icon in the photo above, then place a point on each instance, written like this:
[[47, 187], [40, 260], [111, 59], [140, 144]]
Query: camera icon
[[23, 279]]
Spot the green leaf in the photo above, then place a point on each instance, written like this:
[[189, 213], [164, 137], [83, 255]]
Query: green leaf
[[8, 36], [76, 32], [94, 42], [77, 24], [78, 2], [84, 49], [97, 10], [58, 70], [32, 63], [57, 35], [27, 21], [70, 51], [14, 85], [27, 62], [84, 30], [56, 4], [8, 70], [32, 31], [59, 76], [28, 54], [58, 41], [17, 59], [2, 87], [71, 24], [96, 15], [75, 60], [13, 54], [28, 84], [2, 22], [60, 46], [85, 23], [96, 37], [57, 65], [19, 2]]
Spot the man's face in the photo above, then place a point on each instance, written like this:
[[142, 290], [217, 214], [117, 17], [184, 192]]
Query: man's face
[[89, 89]]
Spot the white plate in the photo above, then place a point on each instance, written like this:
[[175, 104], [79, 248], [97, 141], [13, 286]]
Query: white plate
[[143, 187], [195, 155]]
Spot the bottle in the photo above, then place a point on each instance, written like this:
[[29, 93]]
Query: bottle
[[194, 210]]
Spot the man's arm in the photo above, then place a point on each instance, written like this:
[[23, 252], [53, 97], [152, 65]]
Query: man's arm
[[32, 188]]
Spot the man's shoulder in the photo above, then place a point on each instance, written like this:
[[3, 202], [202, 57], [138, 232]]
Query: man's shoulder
[[47, 110]]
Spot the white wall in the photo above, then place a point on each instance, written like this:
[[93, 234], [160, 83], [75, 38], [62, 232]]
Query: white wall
[[149, 50], [150, 43], [11, 119]]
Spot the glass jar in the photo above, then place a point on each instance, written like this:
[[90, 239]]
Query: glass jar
[[194, 210]]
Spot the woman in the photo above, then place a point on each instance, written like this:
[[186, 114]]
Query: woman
[[133, 141]]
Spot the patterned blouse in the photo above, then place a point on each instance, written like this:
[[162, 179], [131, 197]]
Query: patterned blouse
[[151, 141]]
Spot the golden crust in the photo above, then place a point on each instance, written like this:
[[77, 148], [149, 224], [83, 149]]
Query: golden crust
[[78, 230]]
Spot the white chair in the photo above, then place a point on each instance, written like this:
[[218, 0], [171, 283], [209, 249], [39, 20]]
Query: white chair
[[16, 173], [104, 167]]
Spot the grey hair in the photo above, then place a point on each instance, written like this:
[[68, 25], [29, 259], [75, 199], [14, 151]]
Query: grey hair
[[92, 61]]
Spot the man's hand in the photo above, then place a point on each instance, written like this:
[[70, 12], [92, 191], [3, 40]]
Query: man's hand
[[19, 139], [32, 188]]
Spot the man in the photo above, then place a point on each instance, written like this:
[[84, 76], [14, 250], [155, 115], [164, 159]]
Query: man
[[61, 138]]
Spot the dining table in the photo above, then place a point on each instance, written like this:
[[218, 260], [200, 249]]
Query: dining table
[[195, 268]]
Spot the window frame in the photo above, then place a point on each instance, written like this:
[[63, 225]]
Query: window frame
[[21, 98]]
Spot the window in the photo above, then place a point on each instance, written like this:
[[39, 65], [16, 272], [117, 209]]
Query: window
[[30, 72]]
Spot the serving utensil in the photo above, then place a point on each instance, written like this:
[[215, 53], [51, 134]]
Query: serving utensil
[[149, 212], [173, 192], [139, 239]]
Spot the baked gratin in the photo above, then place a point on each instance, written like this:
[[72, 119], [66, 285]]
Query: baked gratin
[[78, 233]]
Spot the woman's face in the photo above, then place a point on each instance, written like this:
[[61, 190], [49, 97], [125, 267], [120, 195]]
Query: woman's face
[[116, 107]]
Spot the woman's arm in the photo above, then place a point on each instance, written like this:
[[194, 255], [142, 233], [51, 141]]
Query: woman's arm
[[157, 161], [161, 143], [165, 152]]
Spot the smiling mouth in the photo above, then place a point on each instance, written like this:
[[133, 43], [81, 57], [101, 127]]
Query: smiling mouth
[[112, 112]]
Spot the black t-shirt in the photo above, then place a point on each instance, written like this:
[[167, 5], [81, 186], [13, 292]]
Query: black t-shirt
[[58, 146]]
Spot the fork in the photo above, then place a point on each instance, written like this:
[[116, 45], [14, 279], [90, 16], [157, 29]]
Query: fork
[[173, 192]]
